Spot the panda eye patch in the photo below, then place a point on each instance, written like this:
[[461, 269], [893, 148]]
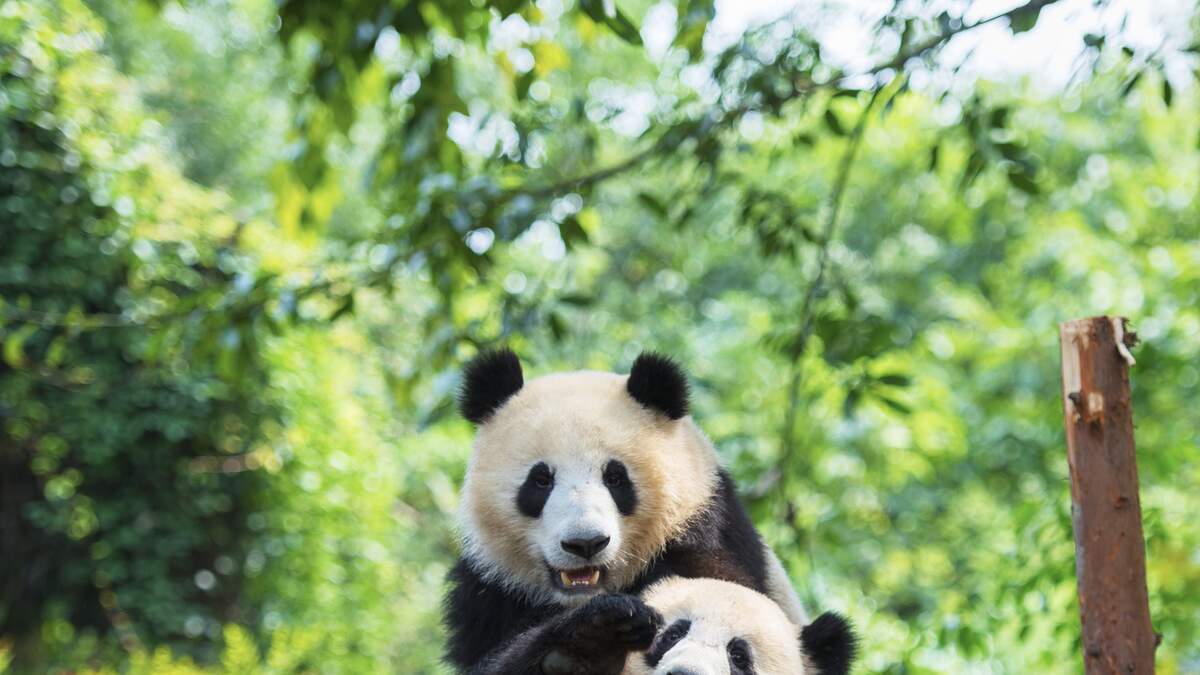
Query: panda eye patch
[[663, 644], [616, 479], [739, 654], [532, 496], [677, 630]]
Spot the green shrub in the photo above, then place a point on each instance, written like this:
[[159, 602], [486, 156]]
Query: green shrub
[[126, 407]]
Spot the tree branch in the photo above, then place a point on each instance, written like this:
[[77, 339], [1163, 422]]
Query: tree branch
[[728, 117], [787, 434]]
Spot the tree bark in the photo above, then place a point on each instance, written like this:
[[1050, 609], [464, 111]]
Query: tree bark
[[1110, 556]]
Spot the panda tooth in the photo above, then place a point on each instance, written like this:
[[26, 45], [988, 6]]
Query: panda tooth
[[566, 579], [595, 578]]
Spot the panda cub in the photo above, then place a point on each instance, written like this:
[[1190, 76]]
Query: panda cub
[[582, 489], [713, 627]]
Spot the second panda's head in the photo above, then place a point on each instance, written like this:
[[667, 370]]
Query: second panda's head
[[713, 627], [577, 480]]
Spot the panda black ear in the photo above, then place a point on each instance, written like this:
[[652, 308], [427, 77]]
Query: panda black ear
[[830, 644], [659, 383], [488, 381]]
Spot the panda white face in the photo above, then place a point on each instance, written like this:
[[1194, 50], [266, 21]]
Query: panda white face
[[574, 486], [578, 507], [718, 628]]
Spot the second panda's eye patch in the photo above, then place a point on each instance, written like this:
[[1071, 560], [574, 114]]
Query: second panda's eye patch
[[616, 479], [669, 638], [536, 489]]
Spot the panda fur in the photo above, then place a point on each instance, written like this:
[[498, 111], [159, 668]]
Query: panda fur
[[713, 627], [584, 488]]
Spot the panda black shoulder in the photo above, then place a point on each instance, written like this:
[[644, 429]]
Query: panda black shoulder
[[478, 615], [720, 542]]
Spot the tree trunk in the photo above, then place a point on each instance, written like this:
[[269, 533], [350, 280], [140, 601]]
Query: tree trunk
[[1110, 557]]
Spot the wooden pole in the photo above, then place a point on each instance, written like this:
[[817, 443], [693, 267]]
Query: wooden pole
[[1110, 556]]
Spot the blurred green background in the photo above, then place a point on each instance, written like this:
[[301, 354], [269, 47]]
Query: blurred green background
[[246, 245]]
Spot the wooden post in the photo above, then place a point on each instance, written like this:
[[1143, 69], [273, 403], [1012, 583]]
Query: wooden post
[[1110, 555]]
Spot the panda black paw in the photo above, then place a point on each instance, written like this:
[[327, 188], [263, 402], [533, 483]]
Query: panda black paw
[[595, 638], [624, 619]]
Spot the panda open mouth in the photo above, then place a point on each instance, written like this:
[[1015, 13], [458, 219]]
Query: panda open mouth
[[581, 579]]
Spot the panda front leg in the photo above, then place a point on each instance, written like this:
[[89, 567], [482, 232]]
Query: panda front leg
[[592, 639]]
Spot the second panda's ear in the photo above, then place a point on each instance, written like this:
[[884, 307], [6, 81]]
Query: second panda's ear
[[488, 381], [659, 384], [830, 644]]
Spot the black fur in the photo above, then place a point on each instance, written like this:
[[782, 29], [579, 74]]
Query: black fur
[[492, 630], [666, 640], [741, 662], [536, 489], [831, 644], [595, 638], [482, 616], [720, 543], [658, 383], [488, 381], [616, 479]]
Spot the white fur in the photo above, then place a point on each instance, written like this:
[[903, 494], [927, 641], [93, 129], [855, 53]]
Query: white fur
[[720, 611], [579, 507], [780, 589]]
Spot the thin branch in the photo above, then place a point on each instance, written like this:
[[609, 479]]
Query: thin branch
[[937, 40], [726, 118], [808, 305], [589, 179], [76, 320]]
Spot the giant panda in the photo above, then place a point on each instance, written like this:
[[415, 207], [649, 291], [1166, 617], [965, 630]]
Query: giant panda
[[713, 627], [582, 489]]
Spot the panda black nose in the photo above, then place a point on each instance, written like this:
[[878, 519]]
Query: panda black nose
[[585, 548]]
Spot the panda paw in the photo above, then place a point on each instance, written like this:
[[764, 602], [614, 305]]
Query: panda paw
[[595, 638], [614, 617]]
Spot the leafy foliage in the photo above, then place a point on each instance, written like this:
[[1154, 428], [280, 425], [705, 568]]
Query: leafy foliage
[[100, 414], [247, 247]]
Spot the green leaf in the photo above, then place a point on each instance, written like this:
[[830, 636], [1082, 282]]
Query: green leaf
[[834, 124], [851, 403], [694, 17], [594, 9], [652, 204], [505, 7], [1021, 180], [572, 232], [577, 299], [1168, 92], [1025, 19], [624, 28], [14, 345], [895, 379], [897, 406], [558, 326], [345, 308], [521, 85], [617, 22], [1137, 77], [999, 117]]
